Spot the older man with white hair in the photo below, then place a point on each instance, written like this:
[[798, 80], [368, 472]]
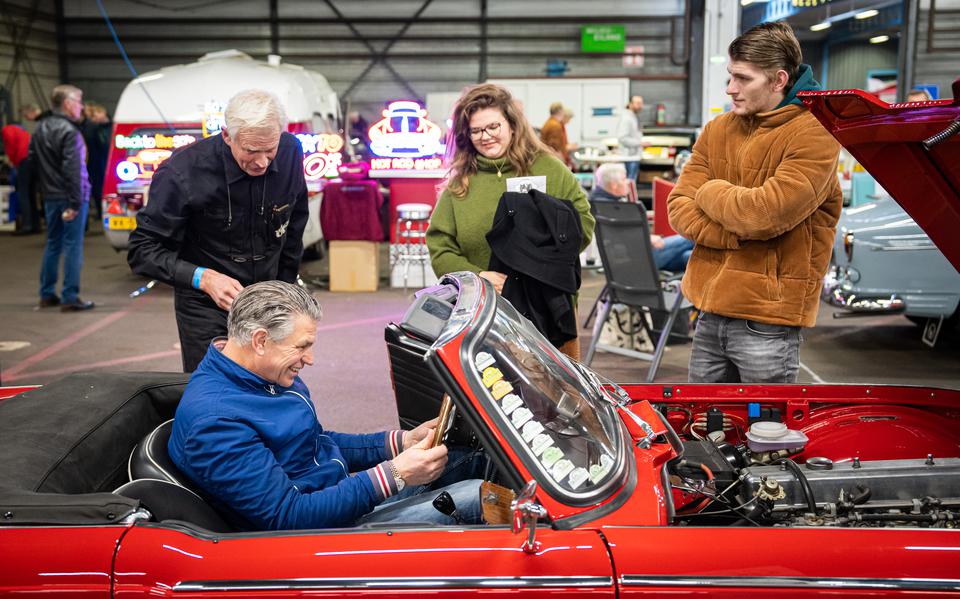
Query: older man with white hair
[[246, 433], [224, 213]]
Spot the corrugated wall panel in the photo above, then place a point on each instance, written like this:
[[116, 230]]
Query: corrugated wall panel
[[938, 58], [848, 63], [439, 52], [31, 77]]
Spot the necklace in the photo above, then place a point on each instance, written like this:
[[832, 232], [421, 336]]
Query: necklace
[[499, 167]]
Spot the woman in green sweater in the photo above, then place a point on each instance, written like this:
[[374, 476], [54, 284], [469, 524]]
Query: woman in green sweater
[[490, 142]]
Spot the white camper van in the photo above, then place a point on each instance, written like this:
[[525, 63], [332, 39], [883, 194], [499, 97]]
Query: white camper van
[[163, 110]]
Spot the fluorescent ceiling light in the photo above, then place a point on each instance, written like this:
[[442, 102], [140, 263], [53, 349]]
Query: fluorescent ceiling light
[[867, 14], [820, 26], [746, 2], [879, 39]]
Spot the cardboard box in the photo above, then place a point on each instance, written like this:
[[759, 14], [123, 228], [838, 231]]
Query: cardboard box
[[354, 265]]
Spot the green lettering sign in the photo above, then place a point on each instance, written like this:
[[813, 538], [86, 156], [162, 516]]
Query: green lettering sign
[[602, 38]]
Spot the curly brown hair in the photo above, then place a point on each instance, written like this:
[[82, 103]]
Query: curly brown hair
[[461, 157]]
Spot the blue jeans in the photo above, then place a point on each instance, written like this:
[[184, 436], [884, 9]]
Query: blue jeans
[[633, 169], [461, 478], [675, 253], [732, 350], [62, 238]]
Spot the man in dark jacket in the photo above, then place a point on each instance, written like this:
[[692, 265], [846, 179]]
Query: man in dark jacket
[[59, 156], [224, 213]]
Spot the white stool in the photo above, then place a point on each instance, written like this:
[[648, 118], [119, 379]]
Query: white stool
[[410, 240]]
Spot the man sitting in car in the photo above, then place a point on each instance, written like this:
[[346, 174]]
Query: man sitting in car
[[246, 433]]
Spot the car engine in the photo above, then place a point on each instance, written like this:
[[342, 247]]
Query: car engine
[[716, 482]]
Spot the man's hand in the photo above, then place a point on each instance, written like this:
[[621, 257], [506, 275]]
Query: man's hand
[[68, 215], [497, 278], [411, 438], [221, 288], [421, 464], [657, 242]]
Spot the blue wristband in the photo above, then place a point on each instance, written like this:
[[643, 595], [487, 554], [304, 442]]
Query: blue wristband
[[197, 275]]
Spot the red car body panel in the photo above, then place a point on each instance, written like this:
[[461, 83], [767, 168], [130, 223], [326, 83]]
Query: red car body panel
[[374, 563], [63, 562], [887, 140]]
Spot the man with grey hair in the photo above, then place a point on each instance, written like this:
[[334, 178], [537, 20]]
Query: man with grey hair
[[246, 433], [224, 213], [611, 185], [59, 160]]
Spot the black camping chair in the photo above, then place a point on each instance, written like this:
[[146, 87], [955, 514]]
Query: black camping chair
[[623, 239]]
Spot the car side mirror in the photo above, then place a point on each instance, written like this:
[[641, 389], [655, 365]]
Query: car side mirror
[[525, 515]]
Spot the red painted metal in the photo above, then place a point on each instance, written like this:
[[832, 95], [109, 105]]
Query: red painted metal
[[886, 140], [152, 560], [748, 553], [64, 562], [7, 392]]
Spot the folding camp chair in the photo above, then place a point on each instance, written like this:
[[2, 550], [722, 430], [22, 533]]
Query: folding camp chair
[[623, 239]]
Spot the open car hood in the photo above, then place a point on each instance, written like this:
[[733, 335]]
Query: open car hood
[[911, 149]]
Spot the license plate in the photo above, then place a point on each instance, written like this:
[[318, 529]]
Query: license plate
[[656, 152], [121, 223]]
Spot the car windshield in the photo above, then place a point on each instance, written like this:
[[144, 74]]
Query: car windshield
[[554, 415]]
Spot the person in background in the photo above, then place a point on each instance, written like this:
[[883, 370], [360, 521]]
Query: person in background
[[630, 135], [17, 140], [554, 132], [96, 129], [246, 433], [16, 146], [611, 185], [224, 213], [490, 143], [59, 158], [761, 200], [918, 94], [571, 147]]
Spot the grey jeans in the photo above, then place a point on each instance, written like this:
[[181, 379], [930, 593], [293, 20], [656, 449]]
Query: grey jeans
[[732, 350]]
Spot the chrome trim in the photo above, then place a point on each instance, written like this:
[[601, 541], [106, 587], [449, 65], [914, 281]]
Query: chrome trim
[[851, 302], [405, 582], [903, 248], [794, 582]]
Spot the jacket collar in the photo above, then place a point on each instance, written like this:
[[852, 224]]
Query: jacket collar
[[231, 169], [216, 362]]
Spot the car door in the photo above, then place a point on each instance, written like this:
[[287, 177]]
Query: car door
[[461, 561], [783, 562]]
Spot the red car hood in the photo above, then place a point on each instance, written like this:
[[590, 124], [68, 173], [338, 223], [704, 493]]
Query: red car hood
[[899, 145]]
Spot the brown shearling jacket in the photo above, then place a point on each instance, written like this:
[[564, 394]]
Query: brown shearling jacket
[[760, 198]]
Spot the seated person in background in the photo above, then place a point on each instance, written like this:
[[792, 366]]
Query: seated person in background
[[610, 185], [918, 94], [246, 433]]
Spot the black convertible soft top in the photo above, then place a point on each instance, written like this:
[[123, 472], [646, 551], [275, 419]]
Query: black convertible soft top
[[72, 438]]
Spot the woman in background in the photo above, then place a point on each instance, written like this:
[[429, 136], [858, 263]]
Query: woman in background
[[490, 142]]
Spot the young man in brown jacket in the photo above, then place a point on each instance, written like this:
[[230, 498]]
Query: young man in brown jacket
[[760, 199]]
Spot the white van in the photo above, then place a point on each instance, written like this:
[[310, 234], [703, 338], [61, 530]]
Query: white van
[[163, 110]]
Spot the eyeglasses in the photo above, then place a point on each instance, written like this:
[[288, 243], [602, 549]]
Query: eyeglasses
[[492, 129]]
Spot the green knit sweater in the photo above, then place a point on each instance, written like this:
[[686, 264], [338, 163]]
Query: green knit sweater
[[457, 237]]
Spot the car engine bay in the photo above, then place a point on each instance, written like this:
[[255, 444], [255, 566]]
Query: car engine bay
[[756, 472]]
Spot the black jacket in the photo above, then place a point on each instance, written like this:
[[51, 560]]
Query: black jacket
[[59, 158], [256, 235], [535, 241]]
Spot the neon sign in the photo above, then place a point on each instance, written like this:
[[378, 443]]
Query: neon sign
[[157, 140], [213, 118], [321, 155], [405, 134], [406, 164], [142, 165]]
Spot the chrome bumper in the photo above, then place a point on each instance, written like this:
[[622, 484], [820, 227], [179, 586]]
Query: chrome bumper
[[855, 304]]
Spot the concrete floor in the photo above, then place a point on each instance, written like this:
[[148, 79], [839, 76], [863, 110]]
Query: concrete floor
[[350, 380]]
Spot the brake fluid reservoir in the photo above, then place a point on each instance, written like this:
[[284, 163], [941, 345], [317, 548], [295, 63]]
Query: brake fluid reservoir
[[771, 436]]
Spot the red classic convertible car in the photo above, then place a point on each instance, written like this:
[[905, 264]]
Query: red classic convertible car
[[617, 490]]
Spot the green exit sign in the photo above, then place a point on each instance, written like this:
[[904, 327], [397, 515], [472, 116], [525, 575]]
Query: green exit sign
[[602, 38]]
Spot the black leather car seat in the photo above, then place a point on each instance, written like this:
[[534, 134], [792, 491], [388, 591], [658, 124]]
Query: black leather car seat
[[169, 501], [165, 491], [150, 459]]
